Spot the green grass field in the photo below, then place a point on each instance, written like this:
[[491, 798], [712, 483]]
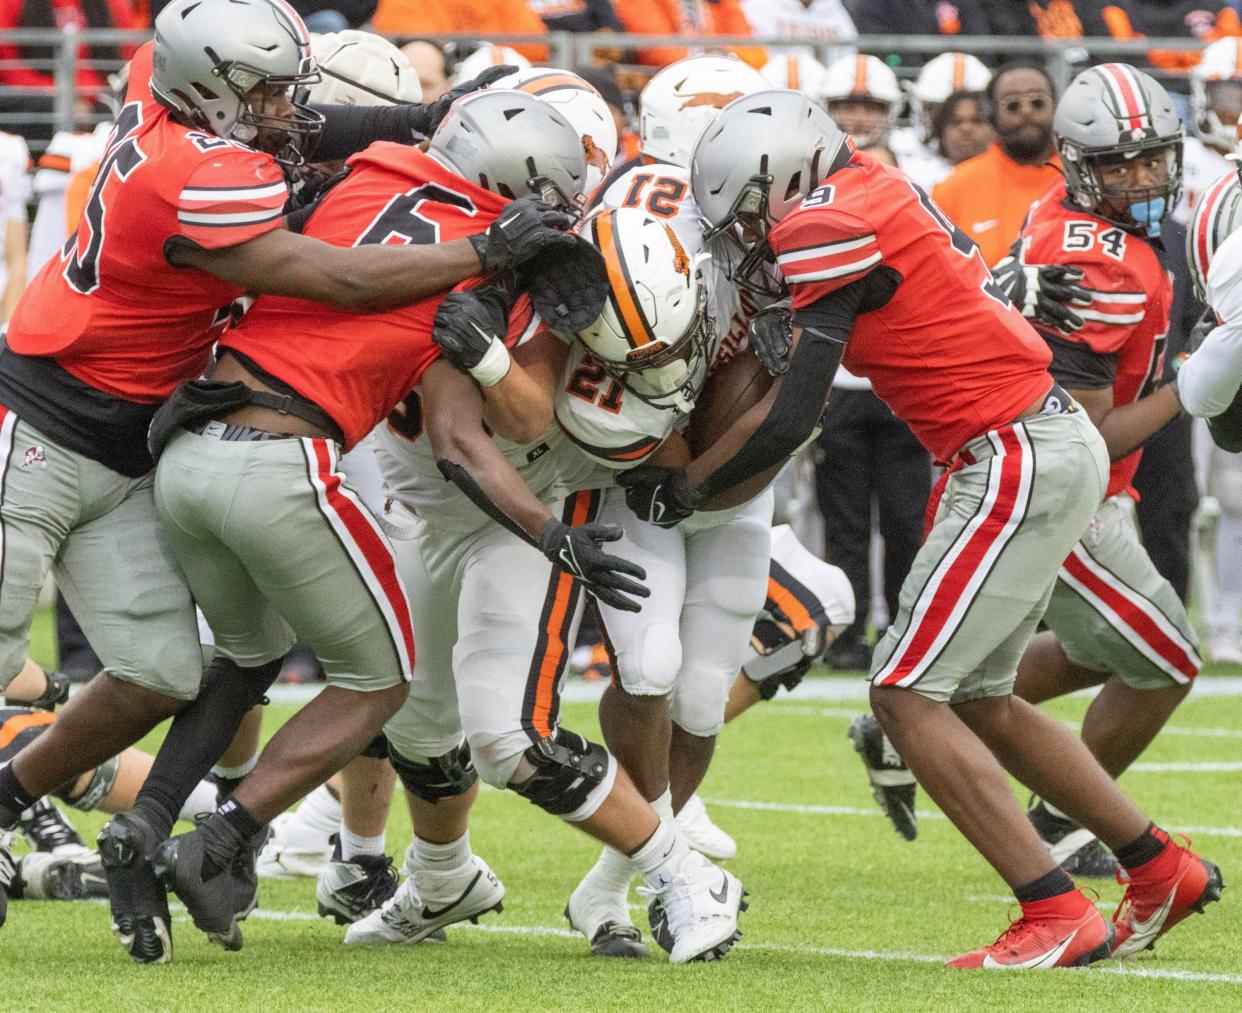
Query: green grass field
[[844, 914]]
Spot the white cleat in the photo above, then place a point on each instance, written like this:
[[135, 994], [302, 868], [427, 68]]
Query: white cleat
[[293, 850], [430, 900], [1225, 647], [701, 833], [603, 916], [694, 915]]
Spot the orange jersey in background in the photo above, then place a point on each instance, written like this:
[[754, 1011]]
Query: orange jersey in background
[[988, 197], [483, 18], [668, 17]]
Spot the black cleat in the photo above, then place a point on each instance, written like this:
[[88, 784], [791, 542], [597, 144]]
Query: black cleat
[[220, 899], [348, 891], [1078, 851], [893, 785], [41, 876], [139, 903], [614, 939], [47, 829]]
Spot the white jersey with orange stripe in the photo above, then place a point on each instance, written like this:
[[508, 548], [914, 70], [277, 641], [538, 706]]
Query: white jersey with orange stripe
[[548, 466]]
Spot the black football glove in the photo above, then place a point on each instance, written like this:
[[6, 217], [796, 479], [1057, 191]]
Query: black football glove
[[577, 551], [1043, 293], [567, 282], [659, 496], [523, 229], [771, 337], [469, 329], [426, 117]]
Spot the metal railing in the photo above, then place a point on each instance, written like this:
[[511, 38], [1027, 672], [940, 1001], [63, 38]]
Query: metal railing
[[40, 111]]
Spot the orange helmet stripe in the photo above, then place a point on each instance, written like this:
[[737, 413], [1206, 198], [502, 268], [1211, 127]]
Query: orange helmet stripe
[[860, 75], [959, 71], [553, 81], [791, 72], [621, 291]]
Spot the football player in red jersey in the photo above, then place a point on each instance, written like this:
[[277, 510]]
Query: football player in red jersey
[[185, 216], [880, 280], [271, 540]]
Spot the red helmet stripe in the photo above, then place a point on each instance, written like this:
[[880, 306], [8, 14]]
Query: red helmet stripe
[[1125, 88]]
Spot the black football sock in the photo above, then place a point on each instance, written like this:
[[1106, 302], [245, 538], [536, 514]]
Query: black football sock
[[14, 799], [1148, 845], [198, 737], [1050, 884], [224, 834]]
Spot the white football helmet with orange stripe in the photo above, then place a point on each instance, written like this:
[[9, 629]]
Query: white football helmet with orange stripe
[[1217, 216], [576, 99], [1216, 93], [361, 69], [1113, 111], [654, 335], [940, 77], [797, 72], [683, 98], [486, 56], [854, 83]]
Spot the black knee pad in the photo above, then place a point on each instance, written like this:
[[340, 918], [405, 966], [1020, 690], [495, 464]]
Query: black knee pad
[[440, 777], [567, 769], [377, 748]]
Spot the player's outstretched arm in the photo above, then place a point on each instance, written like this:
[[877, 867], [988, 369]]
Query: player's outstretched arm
[[1125, 428]]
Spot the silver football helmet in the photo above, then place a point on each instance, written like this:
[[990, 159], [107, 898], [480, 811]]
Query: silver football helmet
[[1216, 217], [754, 164], [1113, 111], [212, 57], [512, 144]]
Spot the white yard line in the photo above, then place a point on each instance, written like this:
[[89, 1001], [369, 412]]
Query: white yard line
[[923, 814], [577, 691], [886, 956]]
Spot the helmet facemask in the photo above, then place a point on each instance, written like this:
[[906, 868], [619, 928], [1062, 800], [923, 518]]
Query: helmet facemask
[[1142, 207], [669, 377], [287, 136], [747, 227]]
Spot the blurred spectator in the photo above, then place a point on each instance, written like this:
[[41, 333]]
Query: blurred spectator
[[920, 17], [1050, 19], [961, 127], [815, 22], [1196, 19], [1215, 104], [687, 17], [14, 195], [483, 18], [68, 154], [429, 64], [577, 15], [321, 16], [916, 146], [988, 196]]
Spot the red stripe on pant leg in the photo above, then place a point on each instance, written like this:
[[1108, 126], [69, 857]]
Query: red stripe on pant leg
[[954, 582], [1133, 616], [377, 555]]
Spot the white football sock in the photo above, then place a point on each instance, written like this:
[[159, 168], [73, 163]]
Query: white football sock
[[453, 855], [353, 844], [238, 772], [664, 848], [201, 803]]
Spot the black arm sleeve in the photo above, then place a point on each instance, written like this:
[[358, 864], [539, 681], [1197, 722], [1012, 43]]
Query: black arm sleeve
[[1077, 367], [464, 481], [348, 129], [826, 326]]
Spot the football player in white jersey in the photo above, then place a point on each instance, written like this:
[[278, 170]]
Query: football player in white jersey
[[797, 71], [631, 382], [1215, 104], [914, 146], [863, 96], [492, 654]]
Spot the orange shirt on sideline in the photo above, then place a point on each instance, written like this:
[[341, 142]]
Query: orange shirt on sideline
[[484, 18], [989, 195], [668, 17]]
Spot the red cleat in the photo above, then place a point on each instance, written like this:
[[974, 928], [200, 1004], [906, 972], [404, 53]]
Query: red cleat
[[1045, 942], [1159, 894]]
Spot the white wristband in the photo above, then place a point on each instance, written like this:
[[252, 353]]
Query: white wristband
[[494, 366]]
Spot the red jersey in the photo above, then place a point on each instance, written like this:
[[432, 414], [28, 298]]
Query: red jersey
[[948, 352], [1124, 329], [111, 310], [358, 366]]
